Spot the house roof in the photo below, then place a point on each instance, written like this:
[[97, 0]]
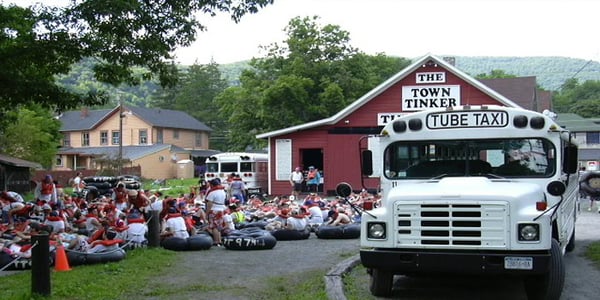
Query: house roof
[[521, 90], [169, 118], [17, 162], [203, 152], [387, 84], [89, 119], [589, 154], [129, 152], [576, 123]]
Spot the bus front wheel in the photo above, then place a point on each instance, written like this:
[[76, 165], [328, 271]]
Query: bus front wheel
[[381, 282], [548, 286]]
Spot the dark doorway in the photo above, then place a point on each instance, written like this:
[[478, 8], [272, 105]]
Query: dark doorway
[[313, 157]]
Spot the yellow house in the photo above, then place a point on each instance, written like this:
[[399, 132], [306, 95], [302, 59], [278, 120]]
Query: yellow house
[[154, 139]]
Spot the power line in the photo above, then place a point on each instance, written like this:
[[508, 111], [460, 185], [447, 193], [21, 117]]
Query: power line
[[581, 69]]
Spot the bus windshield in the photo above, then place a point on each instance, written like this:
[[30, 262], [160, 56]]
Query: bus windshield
[[510, 157]]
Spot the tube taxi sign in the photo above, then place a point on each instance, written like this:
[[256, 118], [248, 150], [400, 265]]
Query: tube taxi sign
[[471, 119]]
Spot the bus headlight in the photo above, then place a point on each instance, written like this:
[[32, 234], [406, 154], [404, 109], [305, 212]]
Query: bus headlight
[[529, 232], [376, 231]]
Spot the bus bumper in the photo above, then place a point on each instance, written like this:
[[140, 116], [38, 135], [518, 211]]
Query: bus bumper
[[411, 261]]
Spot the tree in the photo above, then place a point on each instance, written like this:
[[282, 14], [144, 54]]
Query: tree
[[39, 42], [31, 134], [195, 94], [495, 74], [312, 75], [582, 99]]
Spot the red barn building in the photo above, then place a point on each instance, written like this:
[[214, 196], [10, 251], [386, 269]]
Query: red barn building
[[332, 144]]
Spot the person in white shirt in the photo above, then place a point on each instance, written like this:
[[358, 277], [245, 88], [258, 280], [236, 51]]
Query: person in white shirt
[[78, 183], [316, 214], [296, 179], [176, 224], [215, 207], [296, 221]]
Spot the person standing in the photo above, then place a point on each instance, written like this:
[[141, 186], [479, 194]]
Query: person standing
[[237, 188], [313, 179], [296, 179], [215, 208], [78, 183]]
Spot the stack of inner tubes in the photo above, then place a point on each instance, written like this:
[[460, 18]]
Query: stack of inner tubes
[[291, 235], [589, 183], [350, 231], [200, 241], [251, 238], [96, 186]]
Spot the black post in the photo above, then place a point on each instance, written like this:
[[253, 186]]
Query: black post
[[40, 264], [154, 229]]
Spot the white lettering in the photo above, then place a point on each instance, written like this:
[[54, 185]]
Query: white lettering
[[384, 118]]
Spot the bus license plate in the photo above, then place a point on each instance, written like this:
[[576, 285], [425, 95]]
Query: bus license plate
[[518, 263]]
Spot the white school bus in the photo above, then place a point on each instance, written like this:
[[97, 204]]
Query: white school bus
[[252, 168], [472, 190]]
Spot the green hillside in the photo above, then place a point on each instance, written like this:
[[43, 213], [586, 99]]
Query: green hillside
[[551, 73]]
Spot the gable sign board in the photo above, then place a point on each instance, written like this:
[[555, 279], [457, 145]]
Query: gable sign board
[[419, 97]]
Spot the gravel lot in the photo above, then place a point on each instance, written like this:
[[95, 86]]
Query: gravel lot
[[245, 271]]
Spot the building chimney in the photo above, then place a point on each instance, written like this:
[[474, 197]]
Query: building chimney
[[85, 112]]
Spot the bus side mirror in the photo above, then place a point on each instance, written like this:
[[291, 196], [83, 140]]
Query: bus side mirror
[[366, 164], [571, 163]]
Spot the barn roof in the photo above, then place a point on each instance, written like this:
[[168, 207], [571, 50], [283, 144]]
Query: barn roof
[[387, 84]]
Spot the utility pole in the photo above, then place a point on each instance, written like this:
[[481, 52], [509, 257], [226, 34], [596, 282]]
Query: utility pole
[[121, 115]]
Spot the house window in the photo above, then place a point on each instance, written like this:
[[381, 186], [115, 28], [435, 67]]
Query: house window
[[198, 139], [59, 161], [143, 136], [159, 136], [67, 140], [85, 138], [104, 137], [175, 134], [593, 138], [116, 137]]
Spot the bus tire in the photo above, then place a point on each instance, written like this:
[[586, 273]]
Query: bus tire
[[381, 283], [548, 286]]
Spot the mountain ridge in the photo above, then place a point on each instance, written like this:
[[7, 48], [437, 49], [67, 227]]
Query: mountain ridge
[[550, 71]]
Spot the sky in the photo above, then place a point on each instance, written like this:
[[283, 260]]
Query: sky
[[411, 28], [414, 28]]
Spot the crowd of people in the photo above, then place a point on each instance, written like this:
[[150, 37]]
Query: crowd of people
[[82, 225]]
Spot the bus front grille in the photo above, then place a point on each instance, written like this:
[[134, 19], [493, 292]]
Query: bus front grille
[[446, 225]]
